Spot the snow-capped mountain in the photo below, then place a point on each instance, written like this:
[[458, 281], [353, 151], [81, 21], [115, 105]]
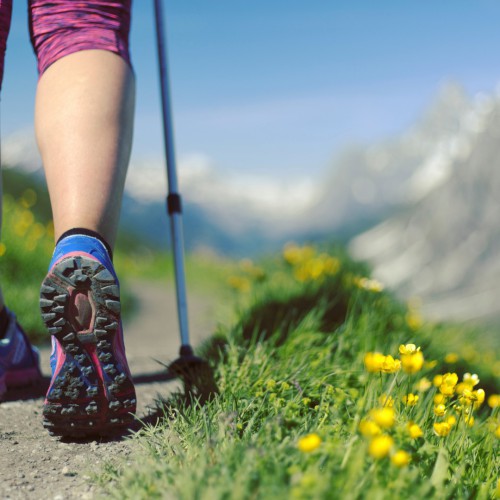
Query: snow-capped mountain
[[445, 245]]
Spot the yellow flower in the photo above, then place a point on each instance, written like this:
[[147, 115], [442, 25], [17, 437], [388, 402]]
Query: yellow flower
[[384, 417], [494, 401], [469, 420], [410, 399], [439, 399], [377, 362], [471, 380], [29, 198], [414, 430], [449, 381], [451, 420], [451, 358], [270, 384], [373, 361], [309, 443], [437, 380], [497, 432], [380, 446], [401, 458], [239, 283], [414, 320], [412, 363], [480, 395], [293, 254], [472, 397], [386, 400], [369, 429], [424, 384], [408, 349], [368, 284], [441, 429], [332, 265], [390, 365], [439, 410]]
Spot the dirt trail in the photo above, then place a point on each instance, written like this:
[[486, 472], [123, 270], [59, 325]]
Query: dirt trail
[[34, 465]]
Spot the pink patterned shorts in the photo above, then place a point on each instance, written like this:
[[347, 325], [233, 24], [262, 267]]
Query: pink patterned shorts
[[62, 27]]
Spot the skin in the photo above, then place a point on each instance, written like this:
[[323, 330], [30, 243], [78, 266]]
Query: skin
[[84, 114]]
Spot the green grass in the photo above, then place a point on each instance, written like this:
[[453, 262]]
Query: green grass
[[294, 395]]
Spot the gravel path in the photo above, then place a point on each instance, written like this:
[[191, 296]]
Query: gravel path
[[34, 465]]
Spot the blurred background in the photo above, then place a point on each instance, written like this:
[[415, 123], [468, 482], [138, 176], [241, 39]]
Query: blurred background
[[373, 124]]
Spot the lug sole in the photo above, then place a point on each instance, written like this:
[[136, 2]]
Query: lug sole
[[92, 392]]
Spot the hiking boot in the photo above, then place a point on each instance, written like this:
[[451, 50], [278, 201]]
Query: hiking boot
[[19, 361], [91, 391]]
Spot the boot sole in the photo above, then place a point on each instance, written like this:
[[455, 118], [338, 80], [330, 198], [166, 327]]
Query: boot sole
[[91, 392]]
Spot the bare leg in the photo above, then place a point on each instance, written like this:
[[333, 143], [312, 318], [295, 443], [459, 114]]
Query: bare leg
[[83, 121]]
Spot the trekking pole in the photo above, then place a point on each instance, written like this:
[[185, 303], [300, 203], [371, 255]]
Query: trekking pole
[[187, 363]]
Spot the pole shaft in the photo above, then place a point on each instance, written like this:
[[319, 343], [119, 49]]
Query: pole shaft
[[176, 217]]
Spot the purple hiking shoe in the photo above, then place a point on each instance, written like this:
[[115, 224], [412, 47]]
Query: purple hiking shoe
[[91, 391], [19, 360]]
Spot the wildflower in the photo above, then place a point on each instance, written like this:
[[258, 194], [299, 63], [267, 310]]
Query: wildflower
[[471, 380], [369, 428], [449, 381], [270, 384], [451, 419], [373, 361], [384, 417], [424, 384], [480, 395], [469, 420], [413, 362], [414, 430], [451, 357], [331, 264], [380, 446], [410, 399], [494, 401], [437, 380], [310, 270], [439, 399], [390, 365], [309, 443], [371, 285], [28, 198], [386, 400], [239, 283], [377, 362], [408, 349], [441, 429], [293, 254], [414, 319], [439, 410], [401, 458], [497, 432], [285, 386], [472, 397]]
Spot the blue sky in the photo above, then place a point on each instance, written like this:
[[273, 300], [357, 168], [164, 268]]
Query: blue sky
[[278, 87]]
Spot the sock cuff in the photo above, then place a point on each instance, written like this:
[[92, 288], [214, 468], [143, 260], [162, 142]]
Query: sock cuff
[[81, 231]]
